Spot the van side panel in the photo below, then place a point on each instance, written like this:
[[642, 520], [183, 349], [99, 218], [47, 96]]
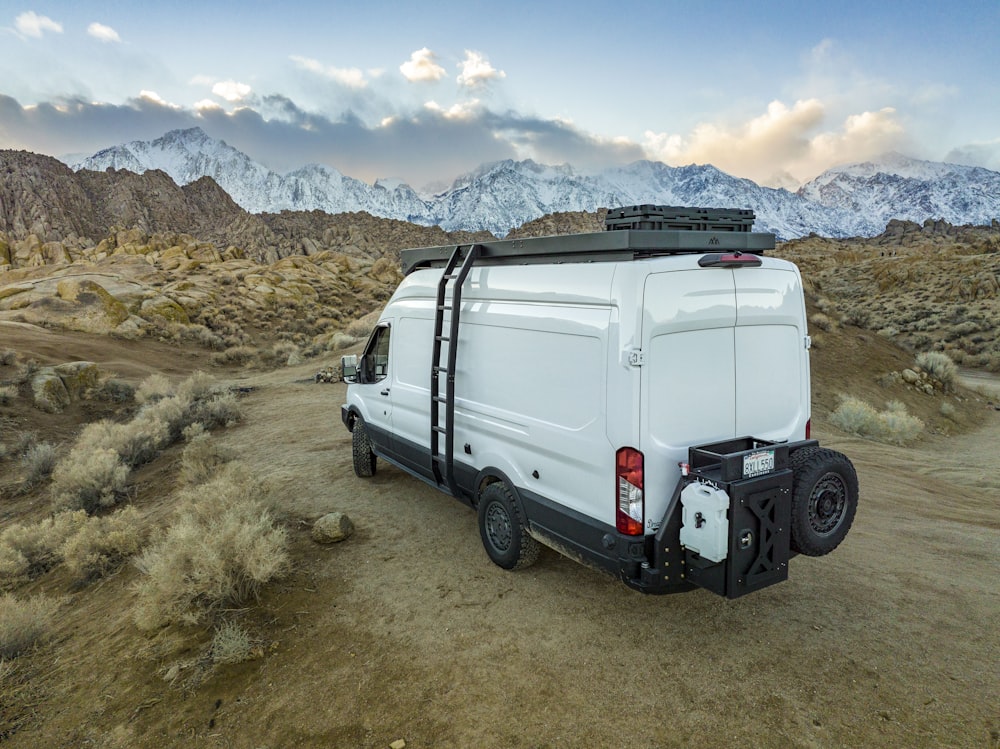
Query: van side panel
[[532, 383], [530, 390]]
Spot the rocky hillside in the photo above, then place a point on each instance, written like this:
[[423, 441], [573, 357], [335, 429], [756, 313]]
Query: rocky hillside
[[49, 214], [42, 201], [930, 286]]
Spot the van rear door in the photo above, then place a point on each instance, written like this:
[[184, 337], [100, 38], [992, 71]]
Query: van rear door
[[772, 364], [688, 381]]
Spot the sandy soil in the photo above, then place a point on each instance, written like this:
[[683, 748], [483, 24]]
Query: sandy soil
[[407, 631]]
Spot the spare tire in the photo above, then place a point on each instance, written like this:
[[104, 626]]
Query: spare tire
[[824, 499]]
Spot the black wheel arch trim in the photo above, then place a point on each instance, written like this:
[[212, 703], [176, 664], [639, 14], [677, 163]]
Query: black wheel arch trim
[[481, 481], [349, 415]]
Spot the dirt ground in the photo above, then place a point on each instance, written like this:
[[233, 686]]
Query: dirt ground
[[407, 631]]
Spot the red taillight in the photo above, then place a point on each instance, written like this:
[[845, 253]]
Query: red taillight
[[809, 428], [629, 482], [730, 260]]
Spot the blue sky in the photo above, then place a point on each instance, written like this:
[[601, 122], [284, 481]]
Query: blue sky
[[775, 91]]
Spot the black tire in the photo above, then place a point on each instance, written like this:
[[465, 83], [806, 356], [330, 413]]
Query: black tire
[[824, 500], [503, 531], [361, 444]]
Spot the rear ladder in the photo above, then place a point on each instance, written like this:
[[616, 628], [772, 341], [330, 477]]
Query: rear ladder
[[443, 464]]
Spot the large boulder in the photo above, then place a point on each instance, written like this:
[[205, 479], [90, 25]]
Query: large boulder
[[78, 377], [94, 310], [48, 391], [331, 528]]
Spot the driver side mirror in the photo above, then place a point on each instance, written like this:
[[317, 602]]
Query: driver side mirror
[[349, 368]]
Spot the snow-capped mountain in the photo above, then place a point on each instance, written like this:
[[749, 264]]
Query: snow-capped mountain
[[896, 186], [187, 155], [858, 199]]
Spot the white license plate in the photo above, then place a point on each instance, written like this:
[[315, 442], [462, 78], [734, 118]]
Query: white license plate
[[757, 464]]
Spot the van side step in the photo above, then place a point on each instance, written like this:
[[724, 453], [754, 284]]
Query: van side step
[[443, 463]]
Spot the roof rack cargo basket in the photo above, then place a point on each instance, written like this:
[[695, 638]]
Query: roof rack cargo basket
[[659, 217], [699, 232]]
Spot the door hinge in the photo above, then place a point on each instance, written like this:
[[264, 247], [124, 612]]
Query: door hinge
[[635, 357], [809, 342]]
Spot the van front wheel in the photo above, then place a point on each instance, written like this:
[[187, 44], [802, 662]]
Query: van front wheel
[[503, 531], [361, 443]]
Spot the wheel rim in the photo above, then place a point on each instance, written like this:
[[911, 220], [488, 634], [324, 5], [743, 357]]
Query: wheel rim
[[499, 530], [827, 504]]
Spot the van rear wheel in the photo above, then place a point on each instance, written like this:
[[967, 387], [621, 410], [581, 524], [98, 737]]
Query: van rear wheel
[[361, 444], [503, 530], [824, 499]]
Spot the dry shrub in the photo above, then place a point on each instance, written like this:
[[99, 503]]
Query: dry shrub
[[821, 321], [894, 425], [23, 442], [136, 442], [38, 462], [939, 366], [198, 386], [153, 388], [947, 410], [8, 357], [27, 551], [88, 478], [235, 355], [339, 341], [287, 353], [8, 394], [115, 391], [219, 410], [222, 547], [101, 544], [97, 468], [23, 622], [202, 457], [232, 644], [362, 327]]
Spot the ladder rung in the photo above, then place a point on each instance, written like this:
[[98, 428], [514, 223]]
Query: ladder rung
[[440, 369], [440, 430], [439, 399], [442, 338]]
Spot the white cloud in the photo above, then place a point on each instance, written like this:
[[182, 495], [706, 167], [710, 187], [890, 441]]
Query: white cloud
[[985, 154], [202, 80], [103, 33], [465, 110], [207, 105], [31, 24], [422, 66], [477, 70], [350, 77], [231, 90], [155, 98], [783, 145]]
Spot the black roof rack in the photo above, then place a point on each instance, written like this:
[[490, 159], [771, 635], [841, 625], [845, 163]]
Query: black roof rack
[[613, 244]]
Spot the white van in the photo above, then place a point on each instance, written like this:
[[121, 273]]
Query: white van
[[637, 399]]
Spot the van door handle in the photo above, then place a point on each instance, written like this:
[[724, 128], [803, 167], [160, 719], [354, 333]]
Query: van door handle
[[385, 392]]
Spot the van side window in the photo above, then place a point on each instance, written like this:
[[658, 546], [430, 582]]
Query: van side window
[[375, 361]]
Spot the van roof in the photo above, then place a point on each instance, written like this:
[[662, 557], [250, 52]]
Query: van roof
[[623, 244]]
